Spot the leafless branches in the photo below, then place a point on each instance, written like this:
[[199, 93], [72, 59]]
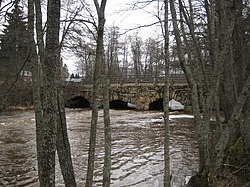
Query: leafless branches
[[4, 8], [141, 26]]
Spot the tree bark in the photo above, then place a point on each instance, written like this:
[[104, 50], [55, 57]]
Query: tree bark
[[63, 145], [51, 65], [167, 178], [107, 127], [234, 119], [107, 134], [194, 88], [246, 126], [35, 83], [40, 40], [99, 57]]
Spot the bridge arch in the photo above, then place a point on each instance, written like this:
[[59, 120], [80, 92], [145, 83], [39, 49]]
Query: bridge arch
[[120, 104], [77, 102], [156, 105]]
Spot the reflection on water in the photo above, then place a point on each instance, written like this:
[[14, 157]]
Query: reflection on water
[[137, 148]]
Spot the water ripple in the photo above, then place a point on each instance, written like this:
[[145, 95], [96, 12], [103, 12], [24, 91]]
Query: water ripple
[[137, 148]]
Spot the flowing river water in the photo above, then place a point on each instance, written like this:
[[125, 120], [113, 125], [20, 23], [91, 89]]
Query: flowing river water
[[137, 148]]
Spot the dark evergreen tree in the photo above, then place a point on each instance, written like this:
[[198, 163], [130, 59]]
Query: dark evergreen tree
[[14, 41]]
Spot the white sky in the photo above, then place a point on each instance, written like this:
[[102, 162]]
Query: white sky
[[120, 13]]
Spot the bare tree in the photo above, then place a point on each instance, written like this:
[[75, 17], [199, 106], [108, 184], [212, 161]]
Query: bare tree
[[62, 142], [35, 84], [136, 45], [153, 65], [98, 64], [125, 63], [204, 83], [51, 65], [112, 52], [167, 176]]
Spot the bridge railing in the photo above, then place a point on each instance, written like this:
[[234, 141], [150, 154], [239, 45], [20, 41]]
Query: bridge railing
[[135, 79], [132, 79]]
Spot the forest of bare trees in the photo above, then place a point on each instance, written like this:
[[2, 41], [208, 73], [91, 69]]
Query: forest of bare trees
[[208, 41]]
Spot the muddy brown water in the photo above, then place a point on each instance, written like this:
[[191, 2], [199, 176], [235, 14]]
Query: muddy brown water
[[137, 148]]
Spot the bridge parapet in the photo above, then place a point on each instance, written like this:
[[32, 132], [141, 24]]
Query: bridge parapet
[[175, 79]]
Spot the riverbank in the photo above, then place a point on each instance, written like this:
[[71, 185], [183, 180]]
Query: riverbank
[[236, 170], [16, 108]]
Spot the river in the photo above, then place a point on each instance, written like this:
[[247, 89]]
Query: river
[[137, 148]]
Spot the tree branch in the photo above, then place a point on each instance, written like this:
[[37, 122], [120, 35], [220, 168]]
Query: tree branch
[[141, 26]]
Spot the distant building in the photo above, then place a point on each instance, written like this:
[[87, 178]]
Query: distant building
[[74, 79], [26, 76], [176, 71]]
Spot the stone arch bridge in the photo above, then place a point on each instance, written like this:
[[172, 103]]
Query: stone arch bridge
[[141, 95]]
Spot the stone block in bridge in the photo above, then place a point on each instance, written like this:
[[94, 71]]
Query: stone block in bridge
[[140, 95]]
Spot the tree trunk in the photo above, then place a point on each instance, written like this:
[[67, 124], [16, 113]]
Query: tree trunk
[[107, 134], [107, 128], [194, 90], [40, 40], [234, 119], [63, 145], [167, 178], [98, 62], [221, 25], [35, 83], [246, 126], [51, 65]]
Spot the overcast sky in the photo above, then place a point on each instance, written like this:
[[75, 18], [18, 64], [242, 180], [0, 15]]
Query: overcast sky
[[121, 14], [124, 15]]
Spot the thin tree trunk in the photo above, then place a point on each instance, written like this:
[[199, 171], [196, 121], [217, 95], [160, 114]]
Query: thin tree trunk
[[167, 178], [246, 126], [193, 85], [63, 145], [40, 40], [93, 129], [35, 83], [107, 127], [234, 119], [107, 134], [98, 62]]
